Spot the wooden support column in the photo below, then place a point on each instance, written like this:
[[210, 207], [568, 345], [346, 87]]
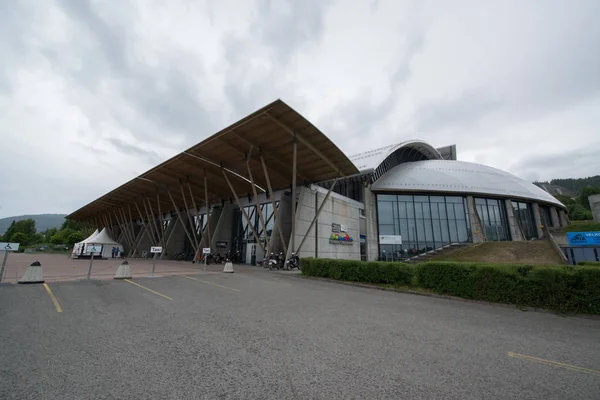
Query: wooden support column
[[127, 227], [133, 251], [182, 223], [314, 220], [275, 215], [190, 219], [257, 204], [197, 231], [155, 225], [143, 223], [160, 215], [243, 211], [124, 231], [149, 226], [112, 229], [295, 162], [207, 209], [172, 224]]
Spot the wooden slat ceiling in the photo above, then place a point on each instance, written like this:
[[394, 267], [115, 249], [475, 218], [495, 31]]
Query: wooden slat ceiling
[[268, 131]]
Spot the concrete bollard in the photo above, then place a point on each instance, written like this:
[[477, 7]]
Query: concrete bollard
[[33, 274], [228, 267], [123, 272]]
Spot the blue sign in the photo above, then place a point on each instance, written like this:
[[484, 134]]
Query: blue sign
[[583, 238]]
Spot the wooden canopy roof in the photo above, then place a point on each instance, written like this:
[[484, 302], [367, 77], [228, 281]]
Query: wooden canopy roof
[[269, 132]]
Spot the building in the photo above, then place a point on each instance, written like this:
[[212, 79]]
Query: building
[[234, 192]]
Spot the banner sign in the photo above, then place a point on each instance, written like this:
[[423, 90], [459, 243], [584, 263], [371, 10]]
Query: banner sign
[[390, 239], [583, 238]]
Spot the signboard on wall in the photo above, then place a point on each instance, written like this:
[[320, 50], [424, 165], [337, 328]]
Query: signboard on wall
[[338, 228], [390, 239], [583, 238]]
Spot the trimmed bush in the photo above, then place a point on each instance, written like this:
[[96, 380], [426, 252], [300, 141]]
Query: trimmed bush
[[574, 289], [560, 288], [359, 271], [590, 263]]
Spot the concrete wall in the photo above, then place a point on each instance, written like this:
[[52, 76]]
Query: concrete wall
[[370, 220], [224, 229], [513, 224], [595, 206], [476, 228], [178, 238], [554, 217], [339, 210], [564, 220], [538, 220]]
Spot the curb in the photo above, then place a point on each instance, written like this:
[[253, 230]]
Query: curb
[[448, 297]]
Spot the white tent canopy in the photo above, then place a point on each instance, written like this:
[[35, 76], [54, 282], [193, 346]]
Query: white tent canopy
[[101, 241], [90, 237]]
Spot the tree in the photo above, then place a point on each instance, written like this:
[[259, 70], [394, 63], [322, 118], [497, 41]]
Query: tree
[[578, 213], [50, 232], [566, 200], [73, 225], [73, 238], [57, 239], [21, 238], [587, 192], [26, 226], [36, 238]]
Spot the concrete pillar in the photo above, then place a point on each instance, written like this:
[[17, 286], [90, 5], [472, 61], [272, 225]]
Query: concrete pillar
[[554, 217], [372, 238], [594, 201], [223, 229], [513, 225], [538, 220], [477, 233], [564, 220]]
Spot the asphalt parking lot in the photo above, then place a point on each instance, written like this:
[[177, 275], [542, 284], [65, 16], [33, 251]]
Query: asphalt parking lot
[[260, 335]]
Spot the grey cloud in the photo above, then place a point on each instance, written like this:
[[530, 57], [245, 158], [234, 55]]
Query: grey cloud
[[465, 111], [127, 149], [569, 164], [166, 95], [286, 25]]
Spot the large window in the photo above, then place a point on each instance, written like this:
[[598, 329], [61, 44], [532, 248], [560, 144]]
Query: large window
[[425, 223], [524, 217], [492, 214], [244, 231]]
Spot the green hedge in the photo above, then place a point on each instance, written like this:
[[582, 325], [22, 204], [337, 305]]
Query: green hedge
[[560, 288], [590, 263], [359, 271]]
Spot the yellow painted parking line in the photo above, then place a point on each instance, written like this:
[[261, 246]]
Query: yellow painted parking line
[[58, 309], [554, 363], [210, 283], [148, 289]]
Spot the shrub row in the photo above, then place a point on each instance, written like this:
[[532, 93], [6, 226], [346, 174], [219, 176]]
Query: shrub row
[[590, 263], [359, 271], [560, 288]]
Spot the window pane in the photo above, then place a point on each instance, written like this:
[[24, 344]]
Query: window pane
[[463, 235], [410, 211], [386, 197], [384, 212], [434, 210], [450, 208], [426, 213], [386, 230], [402, 209], [418, 210], [436, 199], [405, 198], [459, 211], [453, 231], [422, 199], [453, 199]]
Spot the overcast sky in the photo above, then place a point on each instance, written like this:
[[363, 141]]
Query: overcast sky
[[93, 93]]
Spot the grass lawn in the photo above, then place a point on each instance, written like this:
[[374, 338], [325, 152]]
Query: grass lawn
[[582, 226], [530, 252]]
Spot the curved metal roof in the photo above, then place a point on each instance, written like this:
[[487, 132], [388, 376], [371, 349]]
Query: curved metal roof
[[462, 177], [370, 160]]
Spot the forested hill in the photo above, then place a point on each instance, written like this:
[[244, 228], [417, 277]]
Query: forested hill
[[42, 221], [570, 186]]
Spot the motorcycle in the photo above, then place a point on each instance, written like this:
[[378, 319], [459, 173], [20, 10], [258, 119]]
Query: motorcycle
[[275, 261], [293, 262]]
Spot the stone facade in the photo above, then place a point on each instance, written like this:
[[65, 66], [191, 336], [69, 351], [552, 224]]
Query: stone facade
[[513, 225], [595, 206], [538, 220], [337, 210], [477, 233]]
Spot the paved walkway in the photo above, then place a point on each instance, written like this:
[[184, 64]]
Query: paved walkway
[[60, 267]]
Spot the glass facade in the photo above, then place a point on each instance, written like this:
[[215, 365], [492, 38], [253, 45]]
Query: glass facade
[[492, 214], [546, 216], [425, 223], [524, 216], [243, 232]]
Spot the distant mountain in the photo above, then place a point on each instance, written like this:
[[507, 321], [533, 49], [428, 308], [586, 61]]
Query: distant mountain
[[568, 187], [42, 221]]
